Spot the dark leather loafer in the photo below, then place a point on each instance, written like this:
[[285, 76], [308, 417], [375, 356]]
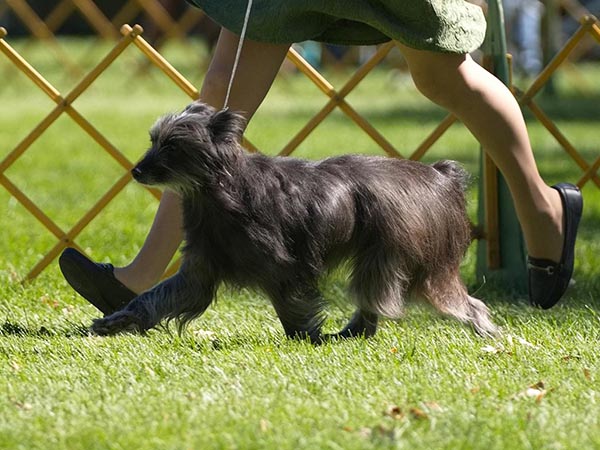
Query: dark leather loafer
[[95, 282], [548, 280]]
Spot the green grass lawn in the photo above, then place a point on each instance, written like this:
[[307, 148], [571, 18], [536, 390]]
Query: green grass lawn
[[232, 380]]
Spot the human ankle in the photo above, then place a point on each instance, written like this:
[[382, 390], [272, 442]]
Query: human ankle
[[133, 279], [543, 231]]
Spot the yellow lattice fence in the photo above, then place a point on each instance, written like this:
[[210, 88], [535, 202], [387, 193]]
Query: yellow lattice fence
[[589, 26], [336, 98], [64, 105]]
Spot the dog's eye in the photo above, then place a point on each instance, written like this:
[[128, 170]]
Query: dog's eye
[[167, 149]]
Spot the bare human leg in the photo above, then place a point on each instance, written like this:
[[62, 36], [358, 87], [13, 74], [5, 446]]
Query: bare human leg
[[489, 110], [257, 68]]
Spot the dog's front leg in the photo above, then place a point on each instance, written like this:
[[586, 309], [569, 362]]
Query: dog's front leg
[[299, 307], [143, 312], [181, 296]]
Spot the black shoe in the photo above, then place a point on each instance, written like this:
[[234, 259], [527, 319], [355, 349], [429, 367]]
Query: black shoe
[[549, 280], [95, 282]]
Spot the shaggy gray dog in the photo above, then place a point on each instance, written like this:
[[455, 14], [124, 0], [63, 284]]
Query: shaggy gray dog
[[279, 224]]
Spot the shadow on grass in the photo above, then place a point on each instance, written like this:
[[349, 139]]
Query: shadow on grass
[[187, 339], [400, 114], [566, 108], [9, 328], [569, 108]]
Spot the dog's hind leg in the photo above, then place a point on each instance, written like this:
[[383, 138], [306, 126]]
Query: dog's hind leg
[[378, 287], [448, 295], [362, 323], [299, 307], [182, 296]]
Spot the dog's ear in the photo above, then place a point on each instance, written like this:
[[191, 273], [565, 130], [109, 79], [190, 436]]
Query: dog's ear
[[197, 107], [226, 126]]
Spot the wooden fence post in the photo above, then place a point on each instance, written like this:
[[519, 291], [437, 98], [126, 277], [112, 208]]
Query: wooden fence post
[[501, 253]]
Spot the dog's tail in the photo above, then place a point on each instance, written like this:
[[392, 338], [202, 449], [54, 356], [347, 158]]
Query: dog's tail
[[454, 171]]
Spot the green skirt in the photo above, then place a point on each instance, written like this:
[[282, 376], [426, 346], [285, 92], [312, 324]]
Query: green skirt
[[450, 26]]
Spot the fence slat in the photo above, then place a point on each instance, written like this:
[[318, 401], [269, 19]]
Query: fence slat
[[178, 28]]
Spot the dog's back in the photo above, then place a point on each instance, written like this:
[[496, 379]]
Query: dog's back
[[301, 216], [414, 208]]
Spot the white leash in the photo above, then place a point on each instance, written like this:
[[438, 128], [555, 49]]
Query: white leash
[[238, 53]]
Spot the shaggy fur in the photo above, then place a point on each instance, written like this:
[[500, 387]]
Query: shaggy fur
[[279, 224]]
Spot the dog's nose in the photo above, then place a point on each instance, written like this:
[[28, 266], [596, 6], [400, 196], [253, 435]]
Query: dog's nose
[[136, 172]]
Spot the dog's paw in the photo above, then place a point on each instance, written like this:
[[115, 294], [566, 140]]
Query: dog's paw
[[119, 322]]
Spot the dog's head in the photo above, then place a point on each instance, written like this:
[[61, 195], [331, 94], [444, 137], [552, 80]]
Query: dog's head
[[191, 149]]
